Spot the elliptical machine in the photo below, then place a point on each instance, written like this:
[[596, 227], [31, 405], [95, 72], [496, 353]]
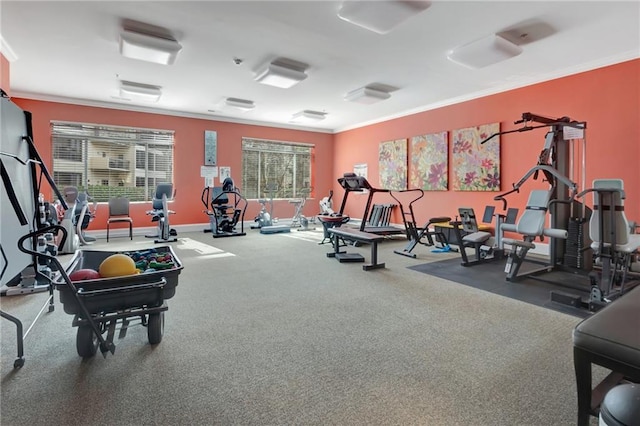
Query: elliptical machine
[[265, 218], [227, 207]]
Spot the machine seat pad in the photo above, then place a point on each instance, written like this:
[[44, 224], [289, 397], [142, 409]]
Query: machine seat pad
[[613, 332], [439, 219], [520, 243], [476, 237], [633, 244]]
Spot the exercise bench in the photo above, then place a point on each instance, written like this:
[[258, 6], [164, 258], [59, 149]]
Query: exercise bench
[[356, 235], [611, 339]]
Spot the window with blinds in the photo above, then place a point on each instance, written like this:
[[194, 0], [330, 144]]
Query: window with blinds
[[285, 165], [111, 161]]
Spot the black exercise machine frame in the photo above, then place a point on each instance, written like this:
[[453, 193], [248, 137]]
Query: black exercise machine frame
[[415, 234], [35, 183], [554, 162], [351, 182], [239, 205]]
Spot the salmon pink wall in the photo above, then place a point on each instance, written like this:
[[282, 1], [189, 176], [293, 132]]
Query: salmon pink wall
[[5, 74], [188, 155], [607, 99]]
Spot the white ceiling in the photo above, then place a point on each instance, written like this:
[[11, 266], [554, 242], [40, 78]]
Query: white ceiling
[[68, 51]]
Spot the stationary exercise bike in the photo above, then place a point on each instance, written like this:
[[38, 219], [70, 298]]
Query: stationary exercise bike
[[299, 219], [76, 219], [161, 213], [265, 218], [329, 218]]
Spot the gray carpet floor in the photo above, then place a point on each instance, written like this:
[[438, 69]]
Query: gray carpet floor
[[266, 330]]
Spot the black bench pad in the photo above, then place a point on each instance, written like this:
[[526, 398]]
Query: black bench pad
[[611, 339], [359, 236], [613, 332]]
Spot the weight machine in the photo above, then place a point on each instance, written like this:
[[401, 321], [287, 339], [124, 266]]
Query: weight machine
[[612, 244], [486, 247], [562, 163]]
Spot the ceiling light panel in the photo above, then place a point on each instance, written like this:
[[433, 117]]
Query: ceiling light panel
[[484, 52], [241, 104], [380, 16], [366, 95], [280, 75], [308, 116], [148, 48], [140, 92]]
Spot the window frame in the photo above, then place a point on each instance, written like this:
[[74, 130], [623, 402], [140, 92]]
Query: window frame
[[121, 143], [298, 189]]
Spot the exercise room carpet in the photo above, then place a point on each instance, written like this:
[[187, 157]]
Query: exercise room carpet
[[491, 277], [266, 330]]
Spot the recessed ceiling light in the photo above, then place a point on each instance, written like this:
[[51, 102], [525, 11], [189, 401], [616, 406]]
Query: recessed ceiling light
[[367, 95], [150, 48], [380, 16], [308, 116]]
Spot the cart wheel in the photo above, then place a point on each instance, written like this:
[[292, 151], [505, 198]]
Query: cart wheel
[[155, 327], [18, 363], [86, 341]]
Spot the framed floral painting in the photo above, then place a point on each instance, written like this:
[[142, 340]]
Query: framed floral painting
[[476, 166], [392, 158], [429, 162]]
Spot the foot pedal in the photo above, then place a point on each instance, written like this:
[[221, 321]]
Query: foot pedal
[[566, 299]]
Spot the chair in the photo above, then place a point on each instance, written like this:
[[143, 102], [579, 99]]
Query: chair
[[119, 212]]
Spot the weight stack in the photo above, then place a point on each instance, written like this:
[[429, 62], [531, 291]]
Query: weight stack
[[577, 247]]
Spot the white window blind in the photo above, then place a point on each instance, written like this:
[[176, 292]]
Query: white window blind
[[287, 165], [109, 161]]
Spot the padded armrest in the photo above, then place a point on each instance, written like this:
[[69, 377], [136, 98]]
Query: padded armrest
[[614, 331], [508, 227]]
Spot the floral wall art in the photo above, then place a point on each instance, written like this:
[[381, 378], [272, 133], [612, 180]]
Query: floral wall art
[[476, 167], [392, 158], [429, 162]]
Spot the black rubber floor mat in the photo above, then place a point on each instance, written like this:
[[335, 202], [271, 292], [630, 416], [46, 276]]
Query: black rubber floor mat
[[491, 277]]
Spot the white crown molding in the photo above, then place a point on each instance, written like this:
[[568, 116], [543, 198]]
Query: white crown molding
[[149, 110], [604, 62], [7, 51], [589, 66]]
